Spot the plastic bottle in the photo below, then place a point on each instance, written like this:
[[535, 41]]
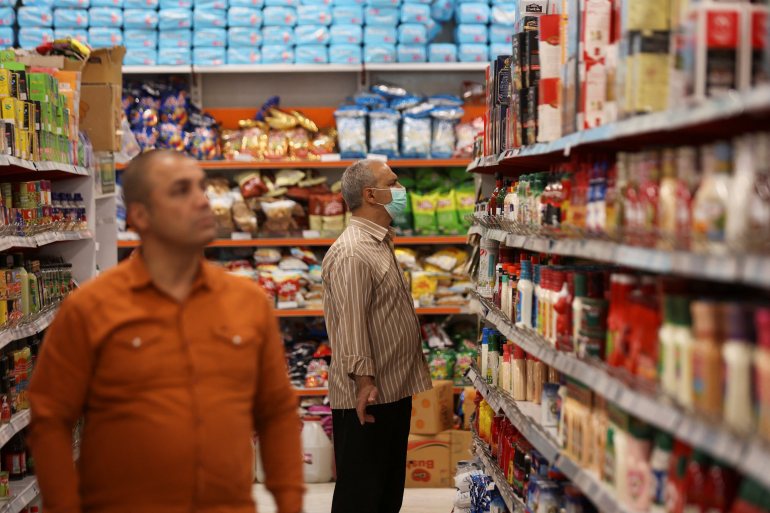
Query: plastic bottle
[[524, 289], [621, 287], [639, 483], [484, 363], [560, 299], [493, 367], [738, 354], [488, 252], [537, 311], [513, 282], [668, 358], [317, 450], [581, 289], [762, 372], [660, 463], [620, 472], [759, 206], [519, 374], [667, 201], [22, 277], [505, 369], [500, 201], [741, 186], [684, 342], [712, 201], [509, 204], [530, 378], [707, 358], [492, 207]]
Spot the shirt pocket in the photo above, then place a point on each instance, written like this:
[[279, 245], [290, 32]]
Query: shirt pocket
[[135, 357], [236, 351]]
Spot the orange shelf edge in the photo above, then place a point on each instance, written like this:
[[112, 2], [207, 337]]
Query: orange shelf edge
[[299, 241]]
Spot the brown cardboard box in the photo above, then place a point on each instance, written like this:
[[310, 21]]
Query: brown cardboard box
[[432, 410], [460, 449], [427, 461], [100, 115], [105, 66]]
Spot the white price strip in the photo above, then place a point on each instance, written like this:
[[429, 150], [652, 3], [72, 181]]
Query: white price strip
[[755, 463]]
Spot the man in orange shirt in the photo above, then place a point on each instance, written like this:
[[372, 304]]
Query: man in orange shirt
[[174, 364]]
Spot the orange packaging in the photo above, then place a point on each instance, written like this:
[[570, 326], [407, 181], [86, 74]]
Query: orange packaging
[[428, 461], [432, 409]]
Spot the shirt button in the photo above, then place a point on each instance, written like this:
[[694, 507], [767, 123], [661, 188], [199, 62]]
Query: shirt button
[[237, 340], [137, 342]]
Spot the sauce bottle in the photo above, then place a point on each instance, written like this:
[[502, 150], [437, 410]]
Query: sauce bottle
[[581, 290], [721, 488], [709, 210], [738, 354], [762, 371], [667, 341], [707, 358], [524, 289], [695, 483], [684, 343]]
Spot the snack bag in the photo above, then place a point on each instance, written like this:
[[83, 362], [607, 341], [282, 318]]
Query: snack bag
[[446, 214], [465, 200], [424, 207], [442, 364], [464, 359], [424, 286]]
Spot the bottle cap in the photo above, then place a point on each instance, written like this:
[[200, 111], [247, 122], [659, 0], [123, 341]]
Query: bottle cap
[[737, 322], [518, 353], [664, 441], [526, 270], [580, 284]]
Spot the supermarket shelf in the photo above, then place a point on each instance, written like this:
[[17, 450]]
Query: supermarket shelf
[[493, 470], [438, 310], [223, 165], [710, 118], [315, 392], [13, 165], [28, 327], [306, 68], [156, 70], [41, 239], [321, 242], [22, 493], [18, 422], [746, 453], [279, 68], [444, 67], [749, 269]]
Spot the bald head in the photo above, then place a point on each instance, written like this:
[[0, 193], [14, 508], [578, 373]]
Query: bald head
[[137, 177]]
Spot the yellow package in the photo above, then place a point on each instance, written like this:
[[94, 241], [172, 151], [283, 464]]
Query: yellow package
[[424, 286], [9, 109], [5, 83], [406, 258]]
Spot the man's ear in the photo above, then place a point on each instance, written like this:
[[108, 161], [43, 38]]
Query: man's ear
[[369, 196], [138, 216]]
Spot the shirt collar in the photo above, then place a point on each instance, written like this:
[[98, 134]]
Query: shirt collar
[[139, 276], [378, 232]]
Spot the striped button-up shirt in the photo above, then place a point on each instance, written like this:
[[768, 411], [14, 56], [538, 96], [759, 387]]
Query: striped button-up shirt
[[373, 328]]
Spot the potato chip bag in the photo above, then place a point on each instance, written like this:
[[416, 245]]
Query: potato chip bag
[[424, 211], [446, 213]]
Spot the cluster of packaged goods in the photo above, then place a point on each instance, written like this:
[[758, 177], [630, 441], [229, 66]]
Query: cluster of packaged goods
[[578, 65], [29, 208]]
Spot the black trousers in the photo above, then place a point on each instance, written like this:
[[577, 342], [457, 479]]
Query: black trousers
[[371, 459]]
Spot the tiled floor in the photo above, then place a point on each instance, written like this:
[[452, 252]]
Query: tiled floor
[[319, 500]]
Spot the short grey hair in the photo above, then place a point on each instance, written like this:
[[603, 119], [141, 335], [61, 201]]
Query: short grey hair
[[355, 179]]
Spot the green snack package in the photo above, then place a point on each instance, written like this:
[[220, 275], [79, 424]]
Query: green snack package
[[459, 176], [465, 199], [446, 214], [424, 211], [465, 358], [402, 223], [429, 179], [442, 364], [406, 178]]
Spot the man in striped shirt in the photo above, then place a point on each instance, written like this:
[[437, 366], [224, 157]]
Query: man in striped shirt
[[377, 361]]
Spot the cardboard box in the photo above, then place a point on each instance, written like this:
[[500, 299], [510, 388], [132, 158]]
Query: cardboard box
[[100, 115], [460, 448], [432, 410], [427, 461], [105, 66]]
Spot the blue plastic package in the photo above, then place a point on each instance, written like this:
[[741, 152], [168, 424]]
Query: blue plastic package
[[243, 56], [77, 34], [496, 49], [412, 34], [244, 17], [416, 133], [370, 100], [503, 14], [210, 37], [346, 34], [472, 13], [348, 2], [146, 38], [314, 15], [311, 35], [442, 10], [72, 4], [114, 3], [379, 53], [8, 16], [175, 57], [244, 37], [383, 3], [100, 37], [380, 35], [279, 17], [221, 5], [140, 19], [174, 19], [415, 13], [141, 57], [442, 52], [434, 29], [443, 140], [426, 2], [32, 37], [351, 131], [412, 53], [256, 4], [471, 33], [381, 16], [277, 54], [141, 4], [110, 17], [281, 3], [383, 132], [316, 2], [348, 15], [174, 39], [209, 18], [34, 16], [311, 54], [473, 52], [277, 36], [344, 54], [501, 34], [209, 56], [174, 4]]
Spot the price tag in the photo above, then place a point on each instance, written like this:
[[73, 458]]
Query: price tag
[[240, 236], [755, 463], [331, 157]]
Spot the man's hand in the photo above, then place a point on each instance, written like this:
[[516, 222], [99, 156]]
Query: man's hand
[[366, 394]]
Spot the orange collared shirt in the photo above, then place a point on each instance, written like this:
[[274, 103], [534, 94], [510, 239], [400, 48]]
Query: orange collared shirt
[[171, 393]]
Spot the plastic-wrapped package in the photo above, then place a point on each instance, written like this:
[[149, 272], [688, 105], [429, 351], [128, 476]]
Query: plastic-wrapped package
[[444, 121], [240, 55], [277, 36], [99, 37], [344, 53], [8, 17], [383, 3], [346, 34], [282, 3], [311, 54], [142, 38], [426, 2], [472, 13], [501, 34], [415, 13], [110, 17], [141, 57], [311, 35], [212, 4], [434, 29], [32, 37], [119, 3], [140, 19], [412, 34], [170, 38], [351, 131], [77, 34], [412, 53], [316, 2], [381, 16], [442, 52], [442, 10], [472, 52], [172, 4], [34, 16], [383, 132], [379, 53], [348, 2], [472, 33], [279, 16], [174, 19], [380, 35], [70, 4], [370, 100], [314, 15], [141, 4], [244, 17], [255, 4], [175, 56], [405, 102], [209, 56], [416, 133], [348, 15], [210, 37], [277, 54], [244, 37], [496, 49], [209, 18], [503, 14]]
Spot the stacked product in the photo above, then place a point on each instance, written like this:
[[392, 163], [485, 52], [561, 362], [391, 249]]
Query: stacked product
[[450, 350], [29, 208]]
